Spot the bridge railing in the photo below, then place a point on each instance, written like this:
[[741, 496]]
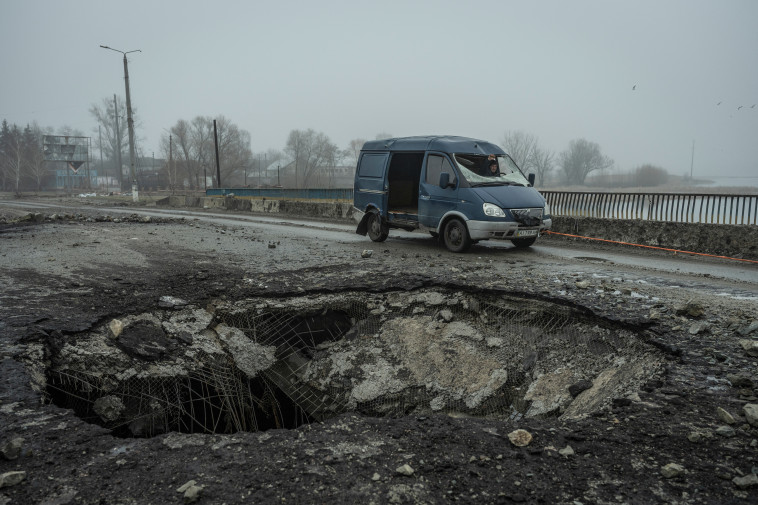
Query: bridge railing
[[676, 207]]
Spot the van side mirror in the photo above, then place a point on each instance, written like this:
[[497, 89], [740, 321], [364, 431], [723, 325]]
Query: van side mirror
[[445, 180], [531, 179]]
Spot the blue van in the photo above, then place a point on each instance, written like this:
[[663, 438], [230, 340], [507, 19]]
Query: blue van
[[459, 189]]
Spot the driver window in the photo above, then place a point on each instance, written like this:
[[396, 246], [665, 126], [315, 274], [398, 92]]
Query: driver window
[[435, 165]]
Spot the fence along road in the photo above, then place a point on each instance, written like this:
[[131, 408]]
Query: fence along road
[[673, 207]]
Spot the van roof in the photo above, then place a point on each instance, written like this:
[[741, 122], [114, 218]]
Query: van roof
[[442, 143]]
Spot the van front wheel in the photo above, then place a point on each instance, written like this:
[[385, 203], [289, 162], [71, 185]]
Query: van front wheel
[[456, 236], [377, 231]]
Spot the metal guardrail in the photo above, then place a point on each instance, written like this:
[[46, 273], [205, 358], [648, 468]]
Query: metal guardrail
[[285, 193], [675, 207]]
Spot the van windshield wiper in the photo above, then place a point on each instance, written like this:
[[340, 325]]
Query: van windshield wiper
[[495, 183]]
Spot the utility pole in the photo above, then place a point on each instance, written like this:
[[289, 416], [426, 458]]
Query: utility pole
[[129, 122], [118, 145], [130, 126], [218, 166], [100, 141], [171, 163]]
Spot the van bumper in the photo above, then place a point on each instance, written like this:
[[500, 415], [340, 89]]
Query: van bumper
[[505, 230]]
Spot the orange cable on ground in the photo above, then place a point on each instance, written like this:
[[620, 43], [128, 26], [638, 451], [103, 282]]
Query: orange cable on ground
[[650, 247]]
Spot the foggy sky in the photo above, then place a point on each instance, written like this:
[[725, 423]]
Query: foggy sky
[[560, 70]]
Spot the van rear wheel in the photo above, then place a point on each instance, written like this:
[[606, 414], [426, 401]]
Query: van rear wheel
[[377, 231], [456, 236]]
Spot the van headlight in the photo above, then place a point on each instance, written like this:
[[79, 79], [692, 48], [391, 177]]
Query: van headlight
[[546, 212], [492, 210]]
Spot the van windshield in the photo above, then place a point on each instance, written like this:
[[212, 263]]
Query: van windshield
[[489, 170]]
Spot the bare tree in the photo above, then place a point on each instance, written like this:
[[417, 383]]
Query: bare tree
[[13, 156], [111, 119], [543, 164], [353, 150], [522, 148], [36, 168], [312, 152], [193, 151], [235, 155], [580, 159], [5, 133]]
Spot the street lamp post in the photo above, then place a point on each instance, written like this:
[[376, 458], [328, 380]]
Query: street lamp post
[[129, 122]]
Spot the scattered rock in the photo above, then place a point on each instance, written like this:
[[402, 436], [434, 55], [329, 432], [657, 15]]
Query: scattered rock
[[750, 347], [691, 309], [726, 431], [548, 392], [725, 416], [11, 478], [376, 477], [699, 327], [191, 491], [116, 326], [170, 302], [740, 381], [747, 330], [367, 253], [751, 414], [12, 449], [192, 494], [405, 470], [576, 388], [696, 437], [750, 480], [109, 408], [446, 315], [567, 451], [185, 486], [672, 470], [520, 438], [582, 284]]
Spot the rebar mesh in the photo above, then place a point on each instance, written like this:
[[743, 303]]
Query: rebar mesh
[[381, 354]]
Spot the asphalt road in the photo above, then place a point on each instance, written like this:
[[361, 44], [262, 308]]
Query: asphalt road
[[722, 277]]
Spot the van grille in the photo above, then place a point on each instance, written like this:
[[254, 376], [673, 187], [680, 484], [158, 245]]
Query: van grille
[[528, 217]]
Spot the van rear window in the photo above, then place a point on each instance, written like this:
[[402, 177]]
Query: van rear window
[[372, 165]]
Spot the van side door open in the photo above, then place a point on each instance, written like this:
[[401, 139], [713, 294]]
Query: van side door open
[[435, 201]]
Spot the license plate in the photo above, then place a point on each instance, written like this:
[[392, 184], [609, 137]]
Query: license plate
[[526, 233]]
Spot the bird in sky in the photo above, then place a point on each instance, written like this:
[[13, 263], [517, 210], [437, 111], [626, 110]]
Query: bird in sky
[[718, 103], [738, 108], [634, 87]]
